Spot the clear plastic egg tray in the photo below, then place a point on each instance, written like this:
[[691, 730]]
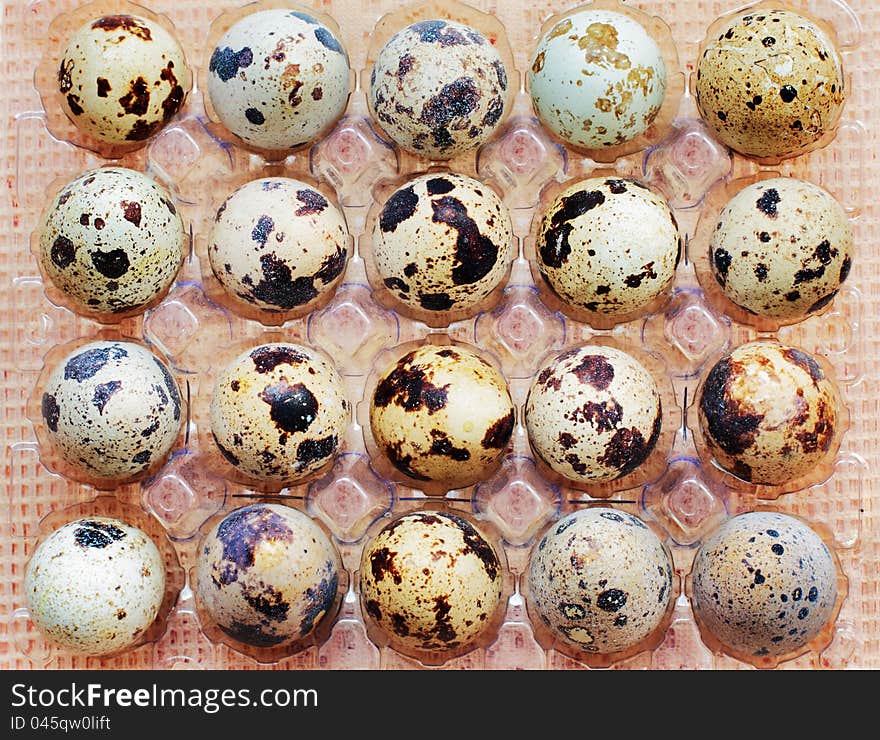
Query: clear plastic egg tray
[[678, 493]]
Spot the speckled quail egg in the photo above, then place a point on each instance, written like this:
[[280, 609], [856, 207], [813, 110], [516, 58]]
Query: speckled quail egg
[[608, 246], [593, 413], [111, 409], [112, 241], [431, 581], [442, 413], [95, 585], [597, 79], [267, 574], [123, 78], [763, 584], [279, 412], [442, 242], [768, 413], [771, 84], [781, 248], [278, 244], [278, 79], [600, 580], [438, 88]]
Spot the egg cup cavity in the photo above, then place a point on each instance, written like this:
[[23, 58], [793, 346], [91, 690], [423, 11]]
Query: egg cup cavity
[[218, 28], [662, 121], [46, 75], [812, 648], [53, 459]]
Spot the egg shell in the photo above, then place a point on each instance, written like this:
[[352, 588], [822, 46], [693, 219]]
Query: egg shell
[[95, 585], [600, 580], [438, 88], [122, 78], [267, 575], [763, 584], [112, 241], [442, 413], [608, 247], [782, 248], [442, 242], [278, 79], [431, 581], [770, 84], [597, 79], [279, 412], [593, 413], [111, 410], [769, 414], [278, 244]]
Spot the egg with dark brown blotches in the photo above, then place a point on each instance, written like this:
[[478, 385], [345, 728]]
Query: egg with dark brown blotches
[[279, 412], [770, 84], [111, 410], [763, 584], [432, 581], [442, 413], [442, 242], [122, 78], [782, 248], [600, 580], [769, 414], [267, 575], [593, 413], [438, 88], [95, 585]]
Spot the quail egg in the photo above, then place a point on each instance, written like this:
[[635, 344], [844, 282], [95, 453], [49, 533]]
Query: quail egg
[[122, 78], [278, 244], [111, 409], [95, 585], [279, 412], [431, 581], [438, 88], [267, 574], [442, 242], [600, 580], [781, 248], [597, 79], [764, 584], [442, 413], [771, 84], [593, 413], [278, 79], [768, 413], [112, 241]]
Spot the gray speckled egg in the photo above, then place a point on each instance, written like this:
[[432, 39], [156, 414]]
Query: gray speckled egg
[[438, 88], [600, 580], [442, 413], [442, 242], [95, 585], [597, 79], [770, 84], [782, 248], [112, 409], [112, 241], [279, 412], [763, 584], [768, 413], [608, 246], [122, 78], [593, 413], [278, 244], [278, 79], [431, 581], [267, 574]]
